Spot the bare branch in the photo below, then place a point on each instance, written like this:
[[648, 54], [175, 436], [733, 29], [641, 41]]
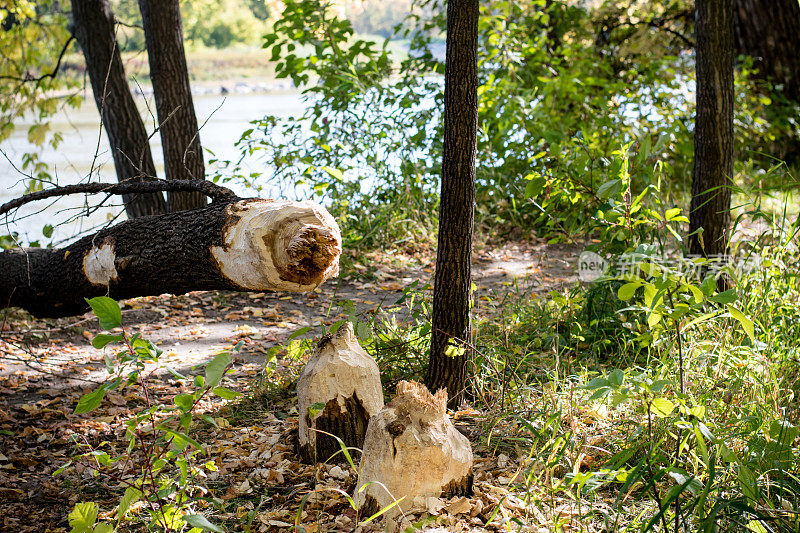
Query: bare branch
[[213, 191]]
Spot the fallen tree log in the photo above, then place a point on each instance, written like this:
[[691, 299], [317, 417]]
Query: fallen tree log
[[233, 243]]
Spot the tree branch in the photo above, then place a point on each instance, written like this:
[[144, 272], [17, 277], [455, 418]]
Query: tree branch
[[28, 78], [213, 191]]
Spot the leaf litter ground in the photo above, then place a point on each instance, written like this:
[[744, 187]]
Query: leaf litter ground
[[46, 365]]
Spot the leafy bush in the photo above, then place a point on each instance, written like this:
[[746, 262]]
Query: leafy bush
[[162, 455]]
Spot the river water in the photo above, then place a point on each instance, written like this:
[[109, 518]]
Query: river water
[[225, 117]]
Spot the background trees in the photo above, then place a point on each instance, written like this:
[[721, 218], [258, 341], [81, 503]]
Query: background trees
[[180, 138], [94, 28]]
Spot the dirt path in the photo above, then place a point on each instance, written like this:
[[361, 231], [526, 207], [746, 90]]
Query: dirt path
[[45, 366]]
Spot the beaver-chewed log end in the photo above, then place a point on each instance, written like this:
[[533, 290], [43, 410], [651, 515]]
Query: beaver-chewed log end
[[279, 245]]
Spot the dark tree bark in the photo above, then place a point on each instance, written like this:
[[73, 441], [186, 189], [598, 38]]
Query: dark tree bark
[[233, 243], [713, 133], [180, 138], [93, 28], [451, 296], [769, 32]]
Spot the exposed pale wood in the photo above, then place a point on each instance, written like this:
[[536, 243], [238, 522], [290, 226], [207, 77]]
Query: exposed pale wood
[[412, 449], [343, 377]]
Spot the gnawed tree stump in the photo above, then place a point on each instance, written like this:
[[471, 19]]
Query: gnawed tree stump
[[341, 376], [233, 243], [413, 449]]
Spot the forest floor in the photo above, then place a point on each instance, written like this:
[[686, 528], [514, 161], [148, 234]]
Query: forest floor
[[47, 365]]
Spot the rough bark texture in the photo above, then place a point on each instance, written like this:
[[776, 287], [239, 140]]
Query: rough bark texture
[[348, 422], [452, 283], [769, 32], [93, 28], [180, 138], [343, 377], [713, 133], [231, 244], [412, 450]]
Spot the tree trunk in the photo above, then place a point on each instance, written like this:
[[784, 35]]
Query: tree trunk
[[93, 28], [180, 138], [451, 298], [769, 32], [236, 244], [713, 133]]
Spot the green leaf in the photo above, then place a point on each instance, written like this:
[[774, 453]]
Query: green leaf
[[90, 401], [534, 187], [131, 496], [315, 409], [363, 330], [181, 439], [627, 291], [102, 527], [107, 311], [596, 383], [299, 332], [37, 133], [709, 285], [83, 517], [661, 407], [101, 339], [608, 189], [748, 483], [726, 297], [216, 368], [227, 394], [175, 373], [335, 173], [672, 213], [746, 323], [47, 230], [200, 521], [783, 432], [184, 402], [452, 350], [689, 482], [697, 294]]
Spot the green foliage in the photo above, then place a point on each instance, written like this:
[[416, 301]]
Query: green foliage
[[33, 39], [697, 408], [206, 23], [575, 102], [161, 451]]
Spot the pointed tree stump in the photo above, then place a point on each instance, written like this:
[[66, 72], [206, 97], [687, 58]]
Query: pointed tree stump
[[413, 449], [337, 393]]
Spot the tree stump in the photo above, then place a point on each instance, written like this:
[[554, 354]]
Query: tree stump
[[413, 449], [344, 379]]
